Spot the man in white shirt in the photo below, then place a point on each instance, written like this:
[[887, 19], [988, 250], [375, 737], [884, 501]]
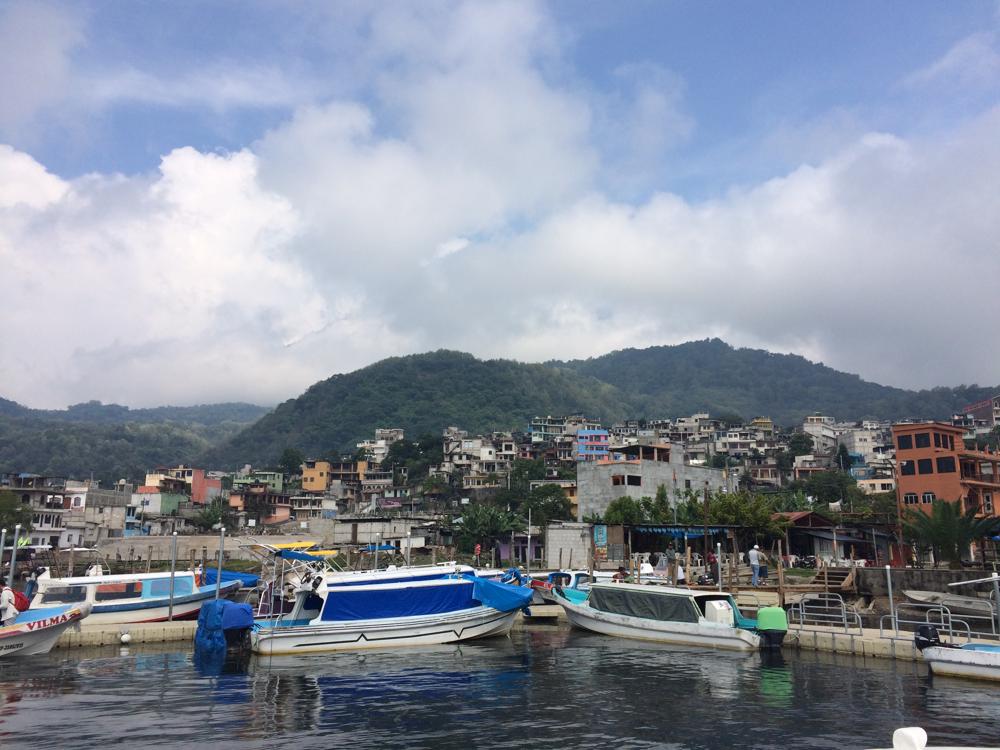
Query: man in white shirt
[[8, 612], [754, 557]]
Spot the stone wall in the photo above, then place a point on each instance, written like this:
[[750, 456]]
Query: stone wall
[[872, 581]]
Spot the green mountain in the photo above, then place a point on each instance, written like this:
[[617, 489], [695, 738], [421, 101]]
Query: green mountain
[[713, 376], [421, 393], [110, 441], [427, 392]]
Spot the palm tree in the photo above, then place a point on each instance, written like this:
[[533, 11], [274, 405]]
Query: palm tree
[[947, 530], [485, 524]]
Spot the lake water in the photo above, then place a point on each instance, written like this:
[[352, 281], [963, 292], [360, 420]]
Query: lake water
[[545, 687]]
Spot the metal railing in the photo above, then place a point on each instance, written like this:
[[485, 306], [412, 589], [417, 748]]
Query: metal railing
[[827, 609], [941, 617]]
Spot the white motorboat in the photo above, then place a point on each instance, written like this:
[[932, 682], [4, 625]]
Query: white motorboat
[[977, 660], [337, 615], [131, 597], [915, 738], [670, 615], [35, 631]]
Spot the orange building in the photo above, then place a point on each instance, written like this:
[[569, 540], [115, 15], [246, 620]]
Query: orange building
[[932, 463]]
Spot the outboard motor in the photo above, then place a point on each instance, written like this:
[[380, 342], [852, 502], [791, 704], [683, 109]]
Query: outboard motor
[[772, 625], [928, 636]]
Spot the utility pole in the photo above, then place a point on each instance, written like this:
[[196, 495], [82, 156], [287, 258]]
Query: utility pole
[[705, 539]]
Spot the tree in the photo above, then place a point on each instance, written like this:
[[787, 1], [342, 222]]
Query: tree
[[547, 503], [752, 511], [484, 524], [829, 486], [291, 461], [800, 444], [523, 472], [946, 530], [214, 514], [624, 510], [843, 458], [13, 512]]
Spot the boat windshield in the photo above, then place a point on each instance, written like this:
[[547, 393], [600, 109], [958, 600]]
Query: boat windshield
[[64, 594]]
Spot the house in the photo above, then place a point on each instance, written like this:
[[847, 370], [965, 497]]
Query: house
[[196, 483], [932, 463]]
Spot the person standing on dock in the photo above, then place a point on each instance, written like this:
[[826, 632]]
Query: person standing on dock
[[754, 557]]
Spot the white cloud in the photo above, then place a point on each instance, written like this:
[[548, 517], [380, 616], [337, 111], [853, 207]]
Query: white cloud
[[973, 61], [250, 275]]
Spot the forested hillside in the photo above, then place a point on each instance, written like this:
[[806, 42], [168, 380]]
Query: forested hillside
[[421, 393], [108, 441], [715, 377]]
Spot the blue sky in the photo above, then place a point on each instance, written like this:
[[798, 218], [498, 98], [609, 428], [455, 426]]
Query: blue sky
[[783, 175]]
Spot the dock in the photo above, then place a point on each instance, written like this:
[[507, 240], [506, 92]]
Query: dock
[[111, 635]]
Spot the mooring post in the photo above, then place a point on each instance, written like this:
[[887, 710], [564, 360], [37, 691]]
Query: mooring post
[[218, 574], [892, 605], [13, 555], [173, 573], [718, 562]]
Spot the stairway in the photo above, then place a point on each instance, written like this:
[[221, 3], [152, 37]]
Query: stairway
[[834, 578]]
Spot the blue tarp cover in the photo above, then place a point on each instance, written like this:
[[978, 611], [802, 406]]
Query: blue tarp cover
[[236, 616], [349, 603], [380, 548], [209, 636], [501, 596], [247, 580]]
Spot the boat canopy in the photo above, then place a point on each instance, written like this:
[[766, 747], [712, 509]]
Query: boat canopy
[[289, 554], [649, 605], [501, 596], [247, 580]]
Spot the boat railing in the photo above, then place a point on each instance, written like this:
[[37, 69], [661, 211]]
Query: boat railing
[[827, 609]]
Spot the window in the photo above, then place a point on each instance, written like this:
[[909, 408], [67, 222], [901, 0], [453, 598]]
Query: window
[[946, 465], [951, 442], [634, 480], [618, 480], [925, 466], [910, 498], [923, 439], [907, 468], [886, 486], [687, 484], [928, 498], [937, 439], [905, 442], [988, 503]]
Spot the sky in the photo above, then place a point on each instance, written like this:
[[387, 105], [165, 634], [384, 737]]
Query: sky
[[225, 201]]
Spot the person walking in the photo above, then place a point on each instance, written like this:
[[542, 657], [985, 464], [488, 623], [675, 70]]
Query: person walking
[[754, 556]]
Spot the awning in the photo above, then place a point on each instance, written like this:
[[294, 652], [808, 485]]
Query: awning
[[679, 532]]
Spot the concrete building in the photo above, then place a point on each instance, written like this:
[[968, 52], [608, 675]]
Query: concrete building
[[987, 411], [378, 449], [822, 429], [932, 463], [875, 485], [643, 469], [275, 480], [546, 429]]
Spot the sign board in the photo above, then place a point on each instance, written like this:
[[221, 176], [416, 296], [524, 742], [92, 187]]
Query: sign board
[[600, 542], [251, 522]]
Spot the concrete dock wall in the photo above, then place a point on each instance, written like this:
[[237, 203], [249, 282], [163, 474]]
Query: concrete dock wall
[[872, 581]]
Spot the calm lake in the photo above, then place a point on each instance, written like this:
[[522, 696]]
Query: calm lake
[[545, 687]]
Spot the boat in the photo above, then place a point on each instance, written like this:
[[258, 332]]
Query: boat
[[577, 580], [339, 615], [35, 631], [915, 738], [671, 615], [977, 660], [957, 605], [130, 597]]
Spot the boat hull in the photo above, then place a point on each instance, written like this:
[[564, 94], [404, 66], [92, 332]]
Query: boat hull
[[421, 630], [38, 636], [157, 610], [690, 634], [960, 662]]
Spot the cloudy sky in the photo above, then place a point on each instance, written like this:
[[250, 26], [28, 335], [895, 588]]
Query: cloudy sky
[[231, 200]]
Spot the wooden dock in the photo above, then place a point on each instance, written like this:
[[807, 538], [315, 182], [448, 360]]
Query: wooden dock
[[111, 635]]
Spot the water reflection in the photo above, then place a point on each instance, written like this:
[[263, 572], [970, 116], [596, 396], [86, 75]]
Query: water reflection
[[550, 687]]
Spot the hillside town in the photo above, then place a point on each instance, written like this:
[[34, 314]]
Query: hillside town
[[852, 479]]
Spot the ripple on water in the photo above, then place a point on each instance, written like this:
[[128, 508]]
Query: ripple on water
[[552, 688]]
